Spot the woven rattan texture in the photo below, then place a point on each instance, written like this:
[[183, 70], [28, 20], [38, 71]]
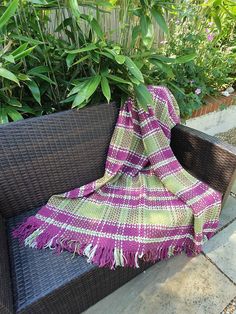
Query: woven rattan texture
[[5, 281], [45, 282], [206, 157], [52, 154]]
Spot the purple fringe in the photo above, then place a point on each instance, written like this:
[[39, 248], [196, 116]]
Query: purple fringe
[[103, 256], [23, 230]]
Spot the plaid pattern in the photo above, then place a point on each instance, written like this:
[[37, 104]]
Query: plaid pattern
[[146, 206]]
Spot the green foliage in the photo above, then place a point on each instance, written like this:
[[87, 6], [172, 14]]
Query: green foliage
[[207, 31], [55, 54], [73, 64], [8, 13]]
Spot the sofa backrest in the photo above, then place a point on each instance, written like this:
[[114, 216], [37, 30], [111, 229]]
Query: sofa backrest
[[52, 154]]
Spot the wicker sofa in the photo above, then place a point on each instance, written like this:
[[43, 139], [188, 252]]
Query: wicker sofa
[[51, 154]]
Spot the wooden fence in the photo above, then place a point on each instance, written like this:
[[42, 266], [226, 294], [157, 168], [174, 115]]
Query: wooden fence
[[110, 24]]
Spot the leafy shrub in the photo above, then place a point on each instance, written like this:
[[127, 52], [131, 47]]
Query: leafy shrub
[[55, 55], [206, 30]]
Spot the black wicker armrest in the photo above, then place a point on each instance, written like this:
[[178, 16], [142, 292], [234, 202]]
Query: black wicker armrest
[[52, 154], [206, 157], [6, 304]]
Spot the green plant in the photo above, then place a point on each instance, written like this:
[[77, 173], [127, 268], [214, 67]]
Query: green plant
[[56, 54], [197, 29], [76, 63], [114, 68], [24, 76]]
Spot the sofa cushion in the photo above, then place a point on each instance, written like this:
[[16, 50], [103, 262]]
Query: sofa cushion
[[36, 273], [41, 278]]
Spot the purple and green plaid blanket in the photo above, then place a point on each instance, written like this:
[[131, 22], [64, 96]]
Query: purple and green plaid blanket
[[146, 206]]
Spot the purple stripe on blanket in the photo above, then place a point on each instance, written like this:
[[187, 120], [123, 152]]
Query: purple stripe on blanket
[[109, 229], [143, 180]]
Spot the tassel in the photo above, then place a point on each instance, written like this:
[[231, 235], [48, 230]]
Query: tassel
[[31, 239], [91, 254], [136, 260], [87, 250]]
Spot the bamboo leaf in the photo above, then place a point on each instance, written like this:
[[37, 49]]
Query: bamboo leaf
[[92, 86], [178, 60], [146, 30], [106, 54], [75, 8], [186, 58], [217, 22], [13, 114], [27, 39], [45, 78], [95, 57], [144, 98], [81, 60], [69, 99], [163, 66], [70, 59], [163, 58], [96, 28], [79, 100], [89, 47], [135, 34], [3, 115], [23, 77], [23, 53], [86, 91], [33, 87], [159, 19], [40, 2], [134, 69], [79, 86], [14, 102], [19, 49], [10, 11], [176, 88], [118, 79], [66, 22], [9, 58], [134, 80], [39, 70], [106, 88], [9, 75], [27, 109], [120, 59]]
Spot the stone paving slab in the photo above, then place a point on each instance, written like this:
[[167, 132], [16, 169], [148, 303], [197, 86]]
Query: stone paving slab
[[234, 187], [228, 212], [221, 249], [177, 286]]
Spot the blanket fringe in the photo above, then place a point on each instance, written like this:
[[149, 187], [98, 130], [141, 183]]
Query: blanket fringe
[[34, 237]]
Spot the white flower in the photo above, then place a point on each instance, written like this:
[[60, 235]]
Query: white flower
[[225, 93], [230, 90]]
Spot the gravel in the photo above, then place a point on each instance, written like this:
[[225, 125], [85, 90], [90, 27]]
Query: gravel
[[229, 136], [230, 308]]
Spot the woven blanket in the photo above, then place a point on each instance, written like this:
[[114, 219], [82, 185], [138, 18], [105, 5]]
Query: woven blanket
[[145, 207]]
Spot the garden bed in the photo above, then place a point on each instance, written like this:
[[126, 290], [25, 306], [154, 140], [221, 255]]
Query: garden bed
[[213, 104]]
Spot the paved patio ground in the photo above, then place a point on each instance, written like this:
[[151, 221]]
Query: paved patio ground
[[229, 136], [205, 284]]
